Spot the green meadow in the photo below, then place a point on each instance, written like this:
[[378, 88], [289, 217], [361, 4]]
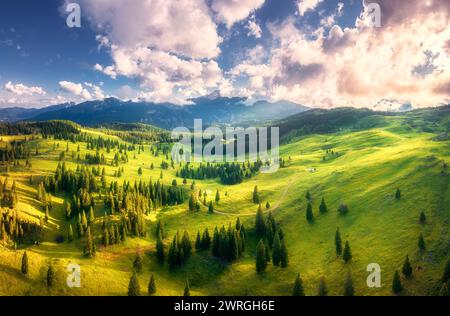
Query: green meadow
[[359, 168]]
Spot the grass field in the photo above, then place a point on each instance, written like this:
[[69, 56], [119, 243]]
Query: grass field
[[369, 167]]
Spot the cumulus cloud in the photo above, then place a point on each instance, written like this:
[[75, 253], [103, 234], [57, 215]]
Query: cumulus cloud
[[182, 27], [232, 11], [22, 90], [82, 92], [361, 65], [254, 29], [307, 5]]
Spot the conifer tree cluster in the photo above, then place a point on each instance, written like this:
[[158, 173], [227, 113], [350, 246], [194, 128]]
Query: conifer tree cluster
[[14, 229], [180, 250], [229, 244]]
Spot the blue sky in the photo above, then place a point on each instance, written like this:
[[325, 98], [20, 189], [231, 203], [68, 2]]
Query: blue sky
[[272, 49]]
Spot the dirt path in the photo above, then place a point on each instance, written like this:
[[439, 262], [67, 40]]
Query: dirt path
[[274, 208]]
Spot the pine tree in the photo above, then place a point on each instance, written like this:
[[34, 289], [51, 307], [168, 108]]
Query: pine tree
[[152, 286], [446, 275], [256, 198], [261, 257], [25, 263], [298, 287], [323, 207], [133, 287], [322, 289], [348, 286], [309, 213], [217, 196], [308, 196], [347, 256], [398, 194], [267, 205], [50, 275], [105, 238], [421, 243], [91, 215], [260, 225], [210, 207], [284, 260], [70, 233], [422, 218], [407, 269], [198, 242], [138, 261], [89, 248], [276, 250], [338, 242], [397, 283], [160, 250], [187, 289]]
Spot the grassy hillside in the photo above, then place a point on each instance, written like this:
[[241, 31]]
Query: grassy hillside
[[361, 169]]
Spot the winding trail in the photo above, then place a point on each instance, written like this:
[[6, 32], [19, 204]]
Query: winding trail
[[274, 208]]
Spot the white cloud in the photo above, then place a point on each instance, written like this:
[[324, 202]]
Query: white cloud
[[307, 5], [183, 27], [76, 89], [254, 29], [23, 90], [232, 11]]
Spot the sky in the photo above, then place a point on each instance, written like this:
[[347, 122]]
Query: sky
[[319, 53]]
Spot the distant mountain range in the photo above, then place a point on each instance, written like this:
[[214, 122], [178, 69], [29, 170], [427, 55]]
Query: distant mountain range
[[213, 109]]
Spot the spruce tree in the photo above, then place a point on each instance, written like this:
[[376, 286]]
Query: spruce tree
[[210, 207], [322, 289], [198, 242], [421, 243], [138, 261], [276, 250], [50, 275], [133, 287], [347, 256], [397, 283], [187, 289], [309, 213], [323, 207], [308, 196], [217, 196], [261, 257], [407, 269], [422, 218], [256, 198], [89, 248], [152, 286], [348, 286], [338, 242], [260, 225], [267, 205], [298, 287], [284, 260], [398, 194], [25, 263]]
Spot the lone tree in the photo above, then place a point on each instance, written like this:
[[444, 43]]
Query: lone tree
[[323, 207], [152, 286], [298, 286], [160, 250], [50, 275], [217, 196], [25, 263], [309, 213], [407, 269], [322, 289], [137, 263], [210, 207], [398, 194], [133, 287], [347, 256], [422, 217], [446, 275], [256, 198], [187, 289], [308, 196], [260, 225], [338, 242], [421, 243], [261, 257], [89, 247], [348, 286], [397, 283], [343, 209]]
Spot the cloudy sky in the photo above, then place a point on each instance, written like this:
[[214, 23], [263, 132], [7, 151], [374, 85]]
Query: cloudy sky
[[322, 53]]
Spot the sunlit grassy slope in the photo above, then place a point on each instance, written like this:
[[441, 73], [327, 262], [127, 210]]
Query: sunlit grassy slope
[[369, 167]]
